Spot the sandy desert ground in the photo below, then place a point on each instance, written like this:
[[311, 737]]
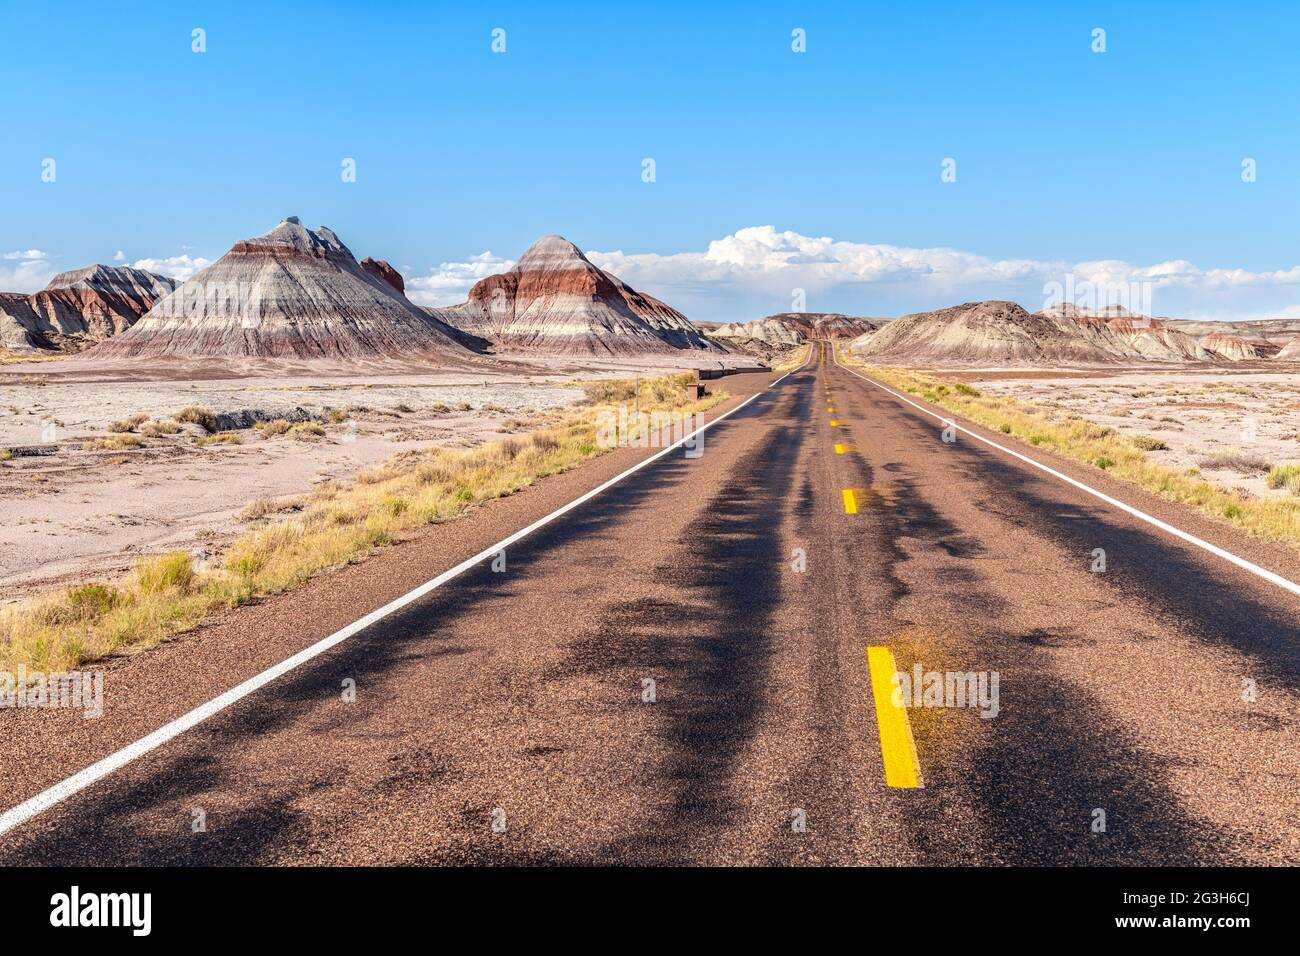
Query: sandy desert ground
[[1230, 423], [74, 513]]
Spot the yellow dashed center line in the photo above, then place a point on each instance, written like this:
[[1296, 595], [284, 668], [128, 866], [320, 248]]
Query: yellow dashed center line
[[897, 748], [850, 502], [834, 423], [840, 449]]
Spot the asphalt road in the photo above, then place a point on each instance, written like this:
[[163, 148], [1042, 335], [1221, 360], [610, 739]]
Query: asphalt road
[[677, 672]]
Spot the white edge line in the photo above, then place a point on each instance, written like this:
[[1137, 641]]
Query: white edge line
[[115, 761], [1267, 575]]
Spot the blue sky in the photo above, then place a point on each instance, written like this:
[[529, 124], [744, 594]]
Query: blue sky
[[1064, 157]]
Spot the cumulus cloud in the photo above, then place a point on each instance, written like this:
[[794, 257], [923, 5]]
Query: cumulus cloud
[[119, 256], [450, 282], [179, 267], [760, 269], [31, 271], [762, 256]]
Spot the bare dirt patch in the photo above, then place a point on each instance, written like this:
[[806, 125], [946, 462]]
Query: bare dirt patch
[[1213, 420]]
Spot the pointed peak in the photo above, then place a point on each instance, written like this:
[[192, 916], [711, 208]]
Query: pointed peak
[[553, 249], [293, 234]]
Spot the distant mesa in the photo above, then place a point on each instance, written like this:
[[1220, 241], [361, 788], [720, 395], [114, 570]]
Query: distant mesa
[[555, 300], [292, 293], [786, 329], [79, 308], [1004, 333], [762, 332], [994, 332]]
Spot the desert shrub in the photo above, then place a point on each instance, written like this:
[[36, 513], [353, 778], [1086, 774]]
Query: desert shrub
[[1243, 462], [1147, 443]]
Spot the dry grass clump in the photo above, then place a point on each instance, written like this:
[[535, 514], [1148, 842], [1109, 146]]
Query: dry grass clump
[[112, 443], [303, 431], [1271, 517], [277, 426], [336, 523], [654, 391], [307, 431], [129, 424], [160, 427], [263, 507], [196, 415], [58, 632], [221, 438], [1284, 476]]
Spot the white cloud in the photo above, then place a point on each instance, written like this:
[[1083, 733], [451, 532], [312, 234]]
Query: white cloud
[[32, 272], [757, 270], [119, 256], [450, 282], [179, 267]]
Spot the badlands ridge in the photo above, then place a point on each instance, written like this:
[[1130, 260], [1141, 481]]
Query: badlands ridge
[[301, 294]]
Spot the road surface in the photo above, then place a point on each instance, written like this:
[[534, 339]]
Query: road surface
[[677, 671]]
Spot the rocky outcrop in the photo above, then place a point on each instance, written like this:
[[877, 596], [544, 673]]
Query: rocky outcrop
[[1280, 332], [1234, 348], [555, 300], [1290, 352], [382, 270], [290, 293], [764, 331], [79, 308], [1128, 335]]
